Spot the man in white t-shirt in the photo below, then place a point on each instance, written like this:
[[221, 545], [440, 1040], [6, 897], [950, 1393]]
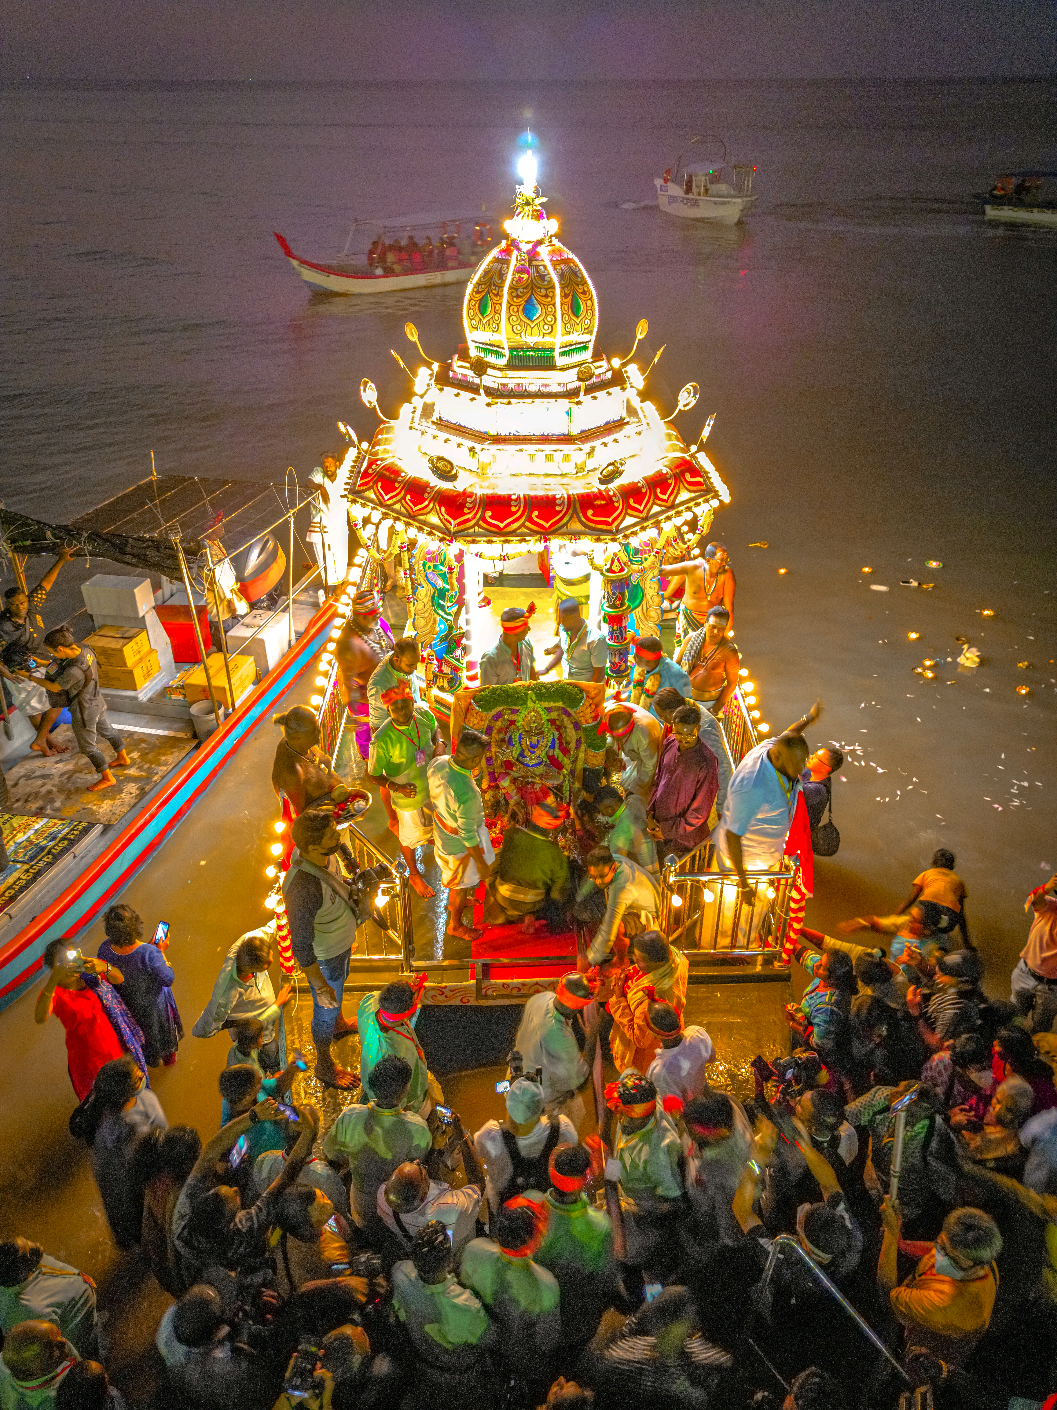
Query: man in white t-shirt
[[761, 800], [409, 1200], [683, 1055], [516, 1153]]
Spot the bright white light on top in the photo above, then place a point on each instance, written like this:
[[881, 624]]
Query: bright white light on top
[[527, 169]]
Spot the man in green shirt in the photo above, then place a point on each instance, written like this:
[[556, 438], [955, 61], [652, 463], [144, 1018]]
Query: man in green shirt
[[577, 1247], [533, 873], [386, 1022], [519, 1295], [376, 1138], [445, 1322], [646, 1165], [400, 751]]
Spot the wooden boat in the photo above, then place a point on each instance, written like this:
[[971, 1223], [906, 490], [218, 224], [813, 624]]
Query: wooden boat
[[1019, 199], [383, 256]]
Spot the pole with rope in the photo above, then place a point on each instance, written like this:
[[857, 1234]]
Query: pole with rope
[[174, 535]]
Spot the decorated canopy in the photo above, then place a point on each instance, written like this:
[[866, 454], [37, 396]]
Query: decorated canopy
[[526, 434]]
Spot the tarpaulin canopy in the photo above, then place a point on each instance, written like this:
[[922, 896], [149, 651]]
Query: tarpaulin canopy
[[137, 527]]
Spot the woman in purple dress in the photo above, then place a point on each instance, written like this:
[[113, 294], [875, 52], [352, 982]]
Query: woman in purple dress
[[146, 985]]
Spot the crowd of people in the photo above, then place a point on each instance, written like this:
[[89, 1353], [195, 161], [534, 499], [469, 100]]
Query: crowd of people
[[650, 1239]]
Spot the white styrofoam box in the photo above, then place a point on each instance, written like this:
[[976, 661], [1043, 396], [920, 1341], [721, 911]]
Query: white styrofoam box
[[110, 593], [266, 648], [156, 633], [22, 736]]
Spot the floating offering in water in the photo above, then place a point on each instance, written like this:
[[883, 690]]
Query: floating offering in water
[[933, 563], [908, 582], [1023, 665], [878, 587], [762, 544], [913, 636], [962, 640], [782, 570], [867, 570], [986, 612], [969, 657], [1023, 689]]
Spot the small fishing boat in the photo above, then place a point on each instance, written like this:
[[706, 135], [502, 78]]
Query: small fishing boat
[[1019, 199], [405, 252], [701, 191]]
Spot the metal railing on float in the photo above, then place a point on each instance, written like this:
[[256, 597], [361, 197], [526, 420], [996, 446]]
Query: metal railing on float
[[702, 908], [739, 732]]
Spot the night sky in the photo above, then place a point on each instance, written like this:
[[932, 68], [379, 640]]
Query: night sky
[[108, 41]]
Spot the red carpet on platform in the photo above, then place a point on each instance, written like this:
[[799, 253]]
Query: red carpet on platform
[[509, 942]]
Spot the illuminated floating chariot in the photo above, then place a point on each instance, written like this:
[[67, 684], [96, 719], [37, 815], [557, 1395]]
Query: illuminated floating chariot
[[527, 439]]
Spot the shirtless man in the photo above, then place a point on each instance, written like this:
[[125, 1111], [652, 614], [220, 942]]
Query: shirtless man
[[301, 772], [16, 628], [709, 583], [363, 642], [711, 661]]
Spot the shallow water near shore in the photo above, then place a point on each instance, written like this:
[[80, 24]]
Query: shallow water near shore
[[880, 361]]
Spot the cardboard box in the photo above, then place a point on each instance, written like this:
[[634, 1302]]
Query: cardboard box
[[130, 677], [119, 646], [110, 595], [268, 646], [243, 675]]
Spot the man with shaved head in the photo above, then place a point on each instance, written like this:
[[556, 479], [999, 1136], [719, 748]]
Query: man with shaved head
[[35, 1361], [751, 834]]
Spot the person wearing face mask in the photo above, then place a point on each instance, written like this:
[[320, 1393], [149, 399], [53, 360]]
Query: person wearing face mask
[[323, 924], [946, 1304], [624, 815], [461, 843], [512, 658]]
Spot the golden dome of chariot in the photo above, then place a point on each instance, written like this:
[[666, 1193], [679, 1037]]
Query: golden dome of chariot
[[530, 302]]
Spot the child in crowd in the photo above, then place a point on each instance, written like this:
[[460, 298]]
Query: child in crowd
[[245, 1050]]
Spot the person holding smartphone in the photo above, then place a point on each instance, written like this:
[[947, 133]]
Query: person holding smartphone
[[99, 1028], [146, 981]]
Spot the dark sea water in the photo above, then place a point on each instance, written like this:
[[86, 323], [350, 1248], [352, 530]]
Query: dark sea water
[[882, 366]]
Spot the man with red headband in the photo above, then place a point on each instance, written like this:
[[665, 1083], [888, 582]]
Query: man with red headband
[[717, 1150], [399, 754], [532, 877], [637, 735], [399, 667], [578, 1247], [653, 671], [658, 972], [520, 1296], [364, 642], [645, 1164], [551, 1037], [512, 658], [386, 1021], [682, 1055]]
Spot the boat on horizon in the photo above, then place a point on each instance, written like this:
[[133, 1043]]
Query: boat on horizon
[[1017, 199], [700, 191], [385, 255]]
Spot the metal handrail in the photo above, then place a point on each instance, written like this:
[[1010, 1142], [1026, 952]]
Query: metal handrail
[[786, 1241], [396, 910], [689, 902], [739, 732], [277, 611]]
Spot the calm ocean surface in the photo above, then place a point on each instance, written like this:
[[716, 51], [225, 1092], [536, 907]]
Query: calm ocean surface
[[882, 364]]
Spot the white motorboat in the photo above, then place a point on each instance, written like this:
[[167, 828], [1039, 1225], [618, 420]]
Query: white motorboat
[[700, 191], [401, 255], [1017, 199]]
